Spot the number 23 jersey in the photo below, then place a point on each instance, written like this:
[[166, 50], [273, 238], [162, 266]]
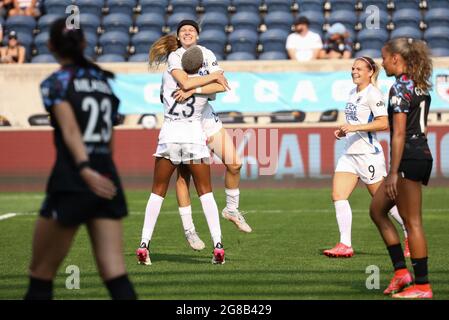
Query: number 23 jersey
[[95, 108]]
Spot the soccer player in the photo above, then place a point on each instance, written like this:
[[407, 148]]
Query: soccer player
[[219, 140], [182, 140], [363, 157], [408, 60], [84, 187]]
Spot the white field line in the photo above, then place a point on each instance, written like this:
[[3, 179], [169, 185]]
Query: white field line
[[7, 216], [140, 213]]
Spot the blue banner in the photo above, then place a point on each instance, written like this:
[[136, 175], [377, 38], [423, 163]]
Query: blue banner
[[268, 92]]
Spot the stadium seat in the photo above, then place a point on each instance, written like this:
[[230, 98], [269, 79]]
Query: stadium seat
[[279, 20], [247, 5], [348, 5], [440, 52], [89, 22], [243, 41], [140, 57], [117, 22], [214, 21], [114, 42], [174, 19], [150, 22], [111, 58], [406, 18], [56, 6], [121, 6], [46, 21], [316, 19], [91, 38], [89, 52], [20, 24], [186, 6], [311, 5], [437, 37], [372, 38], [89, 6], [279, 5], [437, 17], [381, 4], [405, 4], [368, 20], [43, 58], [214, 40], [40, 42], [245, 21], [434, 4], [156, 7], [408, 32], [347, 18], [220, 6], [273, 55], [372, 53], [285, 116], [273, 40], [143, 40]]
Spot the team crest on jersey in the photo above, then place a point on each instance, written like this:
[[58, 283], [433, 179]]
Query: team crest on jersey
[[442, 86], [359, 99]]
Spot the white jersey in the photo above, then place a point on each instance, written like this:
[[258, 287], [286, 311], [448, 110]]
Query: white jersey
[[211, 122], [362, 108]]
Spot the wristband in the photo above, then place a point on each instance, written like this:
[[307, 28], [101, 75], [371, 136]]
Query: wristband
[[198, 90], [83, 164]]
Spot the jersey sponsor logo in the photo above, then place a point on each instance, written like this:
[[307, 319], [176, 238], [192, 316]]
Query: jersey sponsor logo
[[380, 104], [396, 101], [351, 112], [215, 63], [442, 86]]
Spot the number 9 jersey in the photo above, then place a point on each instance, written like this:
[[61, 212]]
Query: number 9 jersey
[[95, 108]]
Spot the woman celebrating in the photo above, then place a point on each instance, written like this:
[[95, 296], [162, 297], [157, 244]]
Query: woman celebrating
[[363, 157], [84, 186], [408, 60], [170, 49], [182, 141]]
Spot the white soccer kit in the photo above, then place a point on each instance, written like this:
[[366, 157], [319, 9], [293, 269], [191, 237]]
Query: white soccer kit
[[363, 154], [182, 137], [210, 121]]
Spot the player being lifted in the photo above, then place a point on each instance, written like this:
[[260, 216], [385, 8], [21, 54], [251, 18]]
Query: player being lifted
[[182, 142], [170, 49], [363, 158], [409, 61], [84, 186]]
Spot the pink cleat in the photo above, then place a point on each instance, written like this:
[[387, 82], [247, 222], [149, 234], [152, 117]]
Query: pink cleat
[[401, 279], [339, 251], [407, 249], [417, 291], [219, 254], [143, 255]]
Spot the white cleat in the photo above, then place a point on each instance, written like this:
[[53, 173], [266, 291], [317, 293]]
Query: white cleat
[[194, 240], [237, 218], [143, 256]]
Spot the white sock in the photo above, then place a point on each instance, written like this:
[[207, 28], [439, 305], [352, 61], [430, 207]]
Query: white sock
[[186, 217], [210, 210], [344, 220], [232, 199], [394, 213], [152, 211]]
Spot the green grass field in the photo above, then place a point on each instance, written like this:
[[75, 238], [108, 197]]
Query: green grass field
[[280, 259]]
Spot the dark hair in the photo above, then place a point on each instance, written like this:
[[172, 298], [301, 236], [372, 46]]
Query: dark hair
[[69, 43], [192, 60], [188, 23], [302, 20]]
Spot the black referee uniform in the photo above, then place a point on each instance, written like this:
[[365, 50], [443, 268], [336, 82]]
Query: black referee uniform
[[69, 199], [416, 162]]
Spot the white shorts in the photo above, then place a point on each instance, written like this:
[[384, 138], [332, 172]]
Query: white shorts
[[182, 152], [370, 167], [210, 122]]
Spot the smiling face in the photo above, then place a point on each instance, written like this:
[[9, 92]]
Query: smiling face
[[361, 73], [188, 36]]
